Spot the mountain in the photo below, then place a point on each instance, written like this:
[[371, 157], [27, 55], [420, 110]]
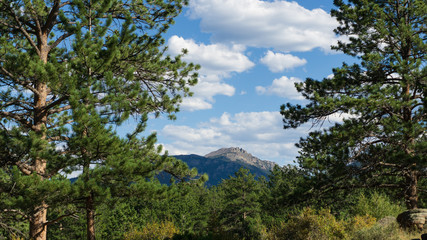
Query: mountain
[[223, 163], [242, 156]]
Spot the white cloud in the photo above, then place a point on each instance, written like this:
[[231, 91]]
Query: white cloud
[[210, 89], [215, 59], [218, 61], [283, 25], [260, 133], [195, 104], [282, 87], [277, 62]]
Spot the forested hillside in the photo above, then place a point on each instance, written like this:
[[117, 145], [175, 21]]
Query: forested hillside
[[72, 73]]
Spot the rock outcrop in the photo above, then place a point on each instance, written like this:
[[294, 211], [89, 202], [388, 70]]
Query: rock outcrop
[[413, 219]]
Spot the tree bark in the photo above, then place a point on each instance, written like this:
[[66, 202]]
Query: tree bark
[[38, 228], [411, 192], [90, 217], [37, 223]]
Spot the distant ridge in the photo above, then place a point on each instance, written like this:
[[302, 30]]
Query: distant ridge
[[240, 155], [223, 163]]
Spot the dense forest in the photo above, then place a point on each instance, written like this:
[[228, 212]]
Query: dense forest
[[70, 71]]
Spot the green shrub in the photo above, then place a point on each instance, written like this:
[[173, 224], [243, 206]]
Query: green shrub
[[376, 205]]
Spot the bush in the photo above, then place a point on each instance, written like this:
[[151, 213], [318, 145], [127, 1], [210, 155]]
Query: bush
[[376, 205], [379, 232], [384, 229], [358, 223], [153, 231], [310, 224]]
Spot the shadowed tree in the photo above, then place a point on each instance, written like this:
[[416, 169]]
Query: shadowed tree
[[383, 143]]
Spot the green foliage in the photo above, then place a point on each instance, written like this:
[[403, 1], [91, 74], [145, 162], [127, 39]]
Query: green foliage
[[87, 67], [71, 227], [376, 205], [240, 214], [381, 143], [188, 207], [287, 189], [124, 215]]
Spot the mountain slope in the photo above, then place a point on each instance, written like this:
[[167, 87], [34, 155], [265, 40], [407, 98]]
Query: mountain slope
[[223, 163]]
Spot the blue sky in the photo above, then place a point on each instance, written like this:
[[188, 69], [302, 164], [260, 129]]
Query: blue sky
[[251, 53]]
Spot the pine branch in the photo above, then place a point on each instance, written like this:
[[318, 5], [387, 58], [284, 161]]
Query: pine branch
[[16, 212], [16, 79], [11, 229], [73, 214], [56, 103], [57, 125], [51, 19], [59, 40], [19, 118], [4, 23], [24, 31], [58, 138], [25, 168]]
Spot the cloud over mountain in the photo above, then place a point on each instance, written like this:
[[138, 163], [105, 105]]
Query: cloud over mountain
[[261, 132]]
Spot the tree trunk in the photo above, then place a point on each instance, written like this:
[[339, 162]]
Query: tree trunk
[[37, 223], [90, 217], [38, 228], [411, 193], [38, 218]]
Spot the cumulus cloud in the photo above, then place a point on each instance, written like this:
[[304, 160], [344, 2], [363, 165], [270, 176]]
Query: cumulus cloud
[[218, 61], [195, 104], [283, 25], [277, 62], [261, 133], [282, 87]]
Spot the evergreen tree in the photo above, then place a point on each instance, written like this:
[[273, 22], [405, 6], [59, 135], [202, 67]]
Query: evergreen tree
[[287, 189], [241, 211], [60, 56], [383, 143]]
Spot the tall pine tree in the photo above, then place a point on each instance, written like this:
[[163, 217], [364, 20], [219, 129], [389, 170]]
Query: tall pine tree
[[240, 215], [105, 54], [384, 142]]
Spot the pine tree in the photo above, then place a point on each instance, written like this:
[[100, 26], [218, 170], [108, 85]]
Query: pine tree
[[55, 55], [242, 208], [287, 188], [383, 143]]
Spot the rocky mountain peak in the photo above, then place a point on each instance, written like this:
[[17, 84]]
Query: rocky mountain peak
[[240, 155]]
